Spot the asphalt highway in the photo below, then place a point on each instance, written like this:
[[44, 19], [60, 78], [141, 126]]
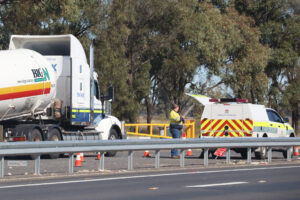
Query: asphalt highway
[[276, 182]]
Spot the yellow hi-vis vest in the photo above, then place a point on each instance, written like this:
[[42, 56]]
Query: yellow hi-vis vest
[[174, 118]]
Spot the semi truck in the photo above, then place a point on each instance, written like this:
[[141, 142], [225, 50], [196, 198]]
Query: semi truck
[[49, 92]]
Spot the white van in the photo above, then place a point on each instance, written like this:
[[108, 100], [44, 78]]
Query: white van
[[237, 118]]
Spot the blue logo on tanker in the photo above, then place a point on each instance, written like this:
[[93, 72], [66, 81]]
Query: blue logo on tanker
[[54, 67]]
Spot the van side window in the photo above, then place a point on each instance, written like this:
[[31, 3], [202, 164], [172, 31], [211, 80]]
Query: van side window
[[274, 117], [277, 117], [270, 116]]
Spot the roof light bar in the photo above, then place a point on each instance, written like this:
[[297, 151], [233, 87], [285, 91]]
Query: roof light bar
[[228, 100], [214, 100], [242, 100]]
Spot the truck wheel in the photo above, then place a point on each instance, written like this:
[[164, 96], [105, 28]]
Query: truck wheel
[[112, 136], [34, 136], [54, 135], [261, 154]]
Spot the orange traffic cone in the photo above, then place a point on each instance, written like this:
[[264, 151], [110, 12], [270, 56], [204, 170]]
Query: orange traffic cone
[[146, 154], [183, 136], [98, 156], [82, 157], [78, 160], [296, 151], [189, 152]]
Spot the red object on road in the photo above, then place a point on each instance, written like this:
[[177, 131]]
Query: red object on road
[[183, 136], [98, 156], [146, 154], [78, 160], [220, 152]]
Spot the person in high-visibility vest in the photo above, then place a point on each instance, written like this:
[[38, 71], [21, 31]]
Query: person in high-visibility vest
[[176, 122]]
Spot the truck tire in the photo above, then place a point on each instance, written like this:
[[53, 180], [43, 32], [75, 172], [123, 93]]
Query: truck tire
[[34, 136], [54, 135], [112, 136]]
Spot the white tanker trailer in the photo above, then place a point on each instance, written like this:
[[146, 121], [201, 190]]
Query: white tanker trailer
[[49, 92], [28, 84]]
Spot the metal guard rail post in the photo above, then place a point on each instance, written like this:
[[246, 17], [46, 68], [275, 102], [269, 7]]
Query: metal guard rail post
[[71, 147]]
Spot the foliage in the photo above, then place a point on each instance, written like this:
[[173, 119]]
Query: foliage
[[280, 30], [45, 17], [154, 51]]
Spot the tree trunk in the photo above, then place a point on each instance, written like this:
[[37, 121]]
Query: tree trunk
[[149, 113], [296, 120], [149, 107], [252, 96]]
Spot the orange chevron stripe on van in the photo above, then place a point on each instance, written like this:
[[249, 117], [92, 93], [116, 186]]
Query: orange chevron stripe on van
[[234, 128]]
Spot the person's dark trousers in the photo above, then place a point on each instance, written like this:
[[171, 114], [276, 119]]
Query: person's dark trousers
[[176, 133]]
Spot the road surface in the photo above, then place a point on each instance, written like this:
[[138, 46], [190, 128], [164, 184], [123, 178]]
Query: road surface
[[276, 182]]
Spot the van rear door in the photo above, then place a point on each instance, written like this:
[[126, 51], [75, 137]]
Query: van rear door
[[227, 120]]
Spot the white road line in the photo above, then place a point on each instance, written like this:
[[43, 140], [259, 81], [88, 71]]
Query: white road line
[[147, 176], [216, 184]]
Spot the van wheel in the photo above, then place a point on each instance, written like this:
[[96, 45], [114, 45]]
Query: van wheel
[[54, 135], [112, 136], [261, 154], [285, 152], [211, 152], [244, 153]]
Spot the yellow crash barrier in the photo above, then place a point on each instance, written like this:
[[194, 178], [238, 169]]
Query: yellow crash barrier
[[149, 130]]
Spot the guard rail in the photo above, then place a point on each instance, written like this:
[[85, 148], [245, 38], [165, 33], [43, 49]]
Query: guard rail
[[71, 147]]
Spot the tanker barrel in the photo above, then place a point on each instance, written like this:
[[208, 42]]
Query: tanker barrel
[[27, 84]]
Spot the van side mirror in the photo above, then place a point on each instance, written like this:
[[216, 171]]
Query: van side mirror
[[286, 120]]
